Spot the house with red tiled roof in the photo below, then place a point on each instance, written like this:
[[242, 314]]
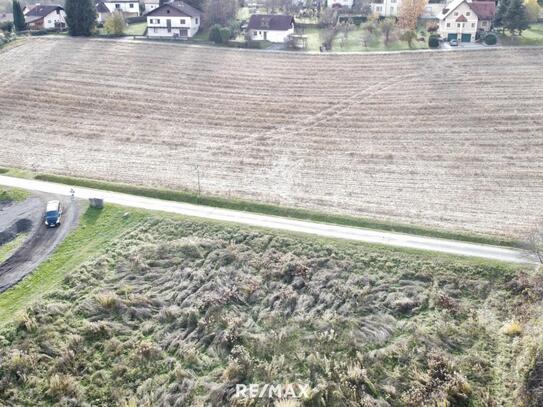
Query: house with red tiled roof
[[462, 20]]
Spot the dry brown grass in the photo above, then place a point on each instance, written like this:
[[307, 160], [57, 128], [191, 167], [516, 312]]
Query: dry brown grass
[[443, 140]]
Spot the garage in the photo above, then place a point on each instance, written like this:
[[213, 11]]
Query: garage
[[466, 37], [452, 36]]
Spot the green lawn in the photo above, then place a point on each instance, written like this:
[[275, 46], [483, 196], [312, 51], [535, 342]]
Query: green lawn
[[532, 36], [96, 229], [354, 43], [12, 194], [136, 29]]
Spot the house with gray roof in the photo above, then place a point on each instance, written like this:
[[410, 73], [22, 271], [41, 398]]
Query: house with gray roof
[[173, 20], [270, 27], [45, 17]]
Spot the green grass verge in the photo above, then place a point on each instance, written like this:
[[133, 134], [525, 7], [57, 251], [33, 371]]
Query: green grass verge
[[268, 209], [97, 227], [531, 36], [12, 194], [7, 249]]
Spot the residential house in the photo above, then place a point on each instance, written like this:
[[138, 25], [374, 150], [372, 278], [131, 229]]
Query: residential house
[[385, 8], [150, 5], [130, 8], [174, 20], [44, 17], [462, 20], [270, 27], [102, 12]]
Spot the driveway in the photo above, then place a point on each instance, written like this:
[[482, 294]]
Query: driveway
[[27, 217]]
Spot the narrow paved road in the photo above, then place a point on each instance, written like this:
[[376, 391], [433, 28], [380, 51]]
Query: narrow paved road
[[275, 222]]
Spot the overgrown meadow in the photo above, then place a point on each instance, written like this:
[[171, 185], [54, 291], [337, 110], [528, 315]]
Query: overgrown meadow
[[177, 312]]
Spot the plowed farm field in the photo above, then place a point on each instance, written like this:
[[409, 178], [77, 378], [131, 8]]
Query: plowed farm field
[[450, 140]]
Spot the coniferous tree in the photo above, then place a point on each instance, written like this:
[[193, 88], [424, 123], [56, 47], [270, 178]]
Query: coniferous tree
[[499, 18], [80, 17], [18, 16], [516, 18]]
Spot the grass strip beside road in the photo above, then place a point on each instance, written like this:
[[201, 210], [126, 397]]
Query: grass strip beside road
[[96, 229], [275, 210], [12, 194]]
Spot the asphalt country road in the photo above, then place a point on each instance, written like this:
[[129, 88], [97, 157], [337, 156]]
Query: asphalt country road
[[41, 241], [274, 222]]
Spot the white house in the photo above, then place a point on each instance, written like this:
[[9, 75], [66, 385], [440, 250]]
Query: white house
[[102, 12], [45, 17], [175, 20], [386, 8], [130, 8], [150, 5], [462, 19], [270, 27]]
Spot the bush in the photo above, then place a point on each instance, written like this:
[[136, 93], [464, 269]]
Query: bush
[[433, 41], [225, 34], [7, 26], [490, 39], [115, 24], [215, 34]]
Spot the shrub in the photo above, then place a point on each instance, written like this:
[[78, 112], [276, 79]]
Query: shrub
[[215, 34], [115, 24], [433, 41], [6, 26], [490, 39]]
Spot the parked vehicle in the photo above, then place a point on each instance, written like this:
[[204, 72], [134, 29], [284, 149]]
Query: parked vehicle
[[53, 214], [453, 43]]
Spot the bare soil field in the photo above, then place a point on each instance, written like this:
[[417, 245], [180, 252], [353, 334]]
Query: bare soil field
[[449, 140]]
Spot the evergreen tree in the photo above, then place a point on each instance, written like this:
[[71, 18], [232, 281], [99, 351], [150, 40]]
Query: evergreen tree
[[516, 17], [18, 16], [80, 17], [199, 4], [499, 18]]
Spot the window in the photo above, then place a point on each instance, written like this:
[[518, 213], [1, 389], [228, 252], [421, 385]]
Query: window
[[468, 13], [155, 30], [378, 8], [196, 21], [456, 13], [48, 21], [458, 25], [131, 5], [448, 25], [393, 1], [157, 21], [117, 6], [483, 23], [392, 10], [473, 24], [167, 11], [182, 21], [58, 11]]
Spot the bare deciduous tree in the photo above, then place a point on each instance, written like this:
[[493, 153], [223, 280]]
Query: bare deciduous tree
[[534, 242], [220, 12]]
